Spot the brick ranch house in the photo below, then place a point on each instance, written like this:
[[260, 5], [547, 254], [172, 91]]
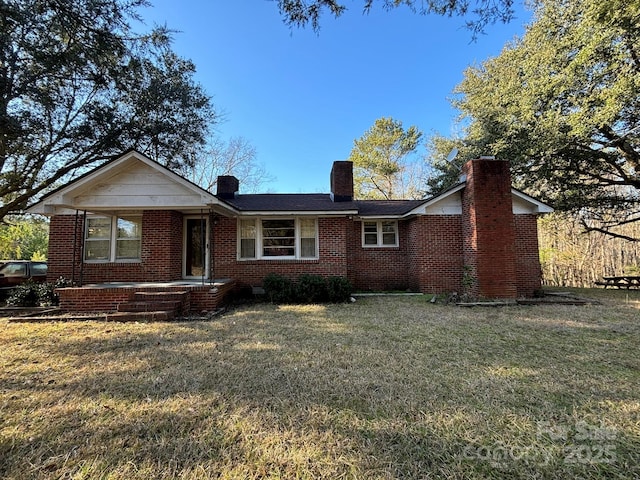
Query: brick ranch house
[[132, 224]]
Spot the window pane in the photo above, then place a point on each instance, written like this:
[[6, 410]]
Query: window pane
[[308, 247], [39, 268], [247, 229], [129, 227], [278, 238], [278, 251], [14, 270], [99, 227], [389, 233], [247, 248], [370, 239], [388, 238], [278, 232], [127, 249], [278, 228], [97, 250], [307, 228], [388, 227], [370, 227], [279, 242]]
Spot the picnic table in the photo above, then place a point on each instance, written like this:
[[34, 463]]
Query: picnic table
[[621, 281]]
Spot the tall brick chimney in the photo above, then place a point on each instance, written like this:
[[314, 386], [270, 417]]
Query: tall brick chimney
[[488, 229], [227, 186], [342, 181]]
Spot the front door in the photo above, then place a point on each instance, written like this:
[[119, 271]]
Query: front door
[[196, 246]]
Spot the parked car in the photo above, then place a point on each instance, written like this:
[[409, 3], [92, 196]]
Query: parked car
[[15, 272]]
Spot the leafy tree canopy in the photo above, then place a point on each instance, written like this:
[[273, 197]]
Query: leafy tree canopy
[[78, 86], [563, 104], [24, 238], [481, 13], [379, 159]]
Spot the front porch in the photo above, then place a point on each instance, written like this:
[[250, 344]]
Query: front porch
[[158, 300]]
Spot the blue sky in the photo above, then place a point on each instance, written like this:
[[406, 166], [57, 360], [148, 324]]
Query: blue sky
[[301, 97]]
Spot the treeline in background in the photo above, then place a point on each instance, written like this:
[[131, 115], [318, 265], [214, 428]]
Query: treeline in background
[[572, 257]]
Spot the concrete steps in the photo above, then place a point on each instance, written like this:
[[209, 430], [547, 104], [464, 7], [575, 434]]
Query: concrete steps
[[152, 306]]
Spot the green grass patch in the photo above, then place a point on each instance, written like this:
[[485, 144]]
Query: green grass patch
[[391, 387]]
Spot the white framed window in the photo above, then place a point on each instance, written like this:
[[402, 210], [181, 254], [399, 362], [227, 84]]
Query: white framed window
[[278, 238], [380, 233], [248, 236], [113, 239]]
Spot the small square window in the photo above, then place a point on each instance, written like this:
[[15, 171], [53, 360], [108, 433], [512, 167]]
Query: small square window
[[381, 233]]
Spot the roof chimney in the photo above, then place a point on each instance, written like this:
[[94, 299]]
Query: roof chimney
[[342, 181], [227, 186]]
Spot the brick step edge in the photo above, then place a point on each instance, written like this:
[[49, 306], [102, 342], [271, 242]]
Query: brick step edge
[[159, 316], [150, 306], [159, 296]]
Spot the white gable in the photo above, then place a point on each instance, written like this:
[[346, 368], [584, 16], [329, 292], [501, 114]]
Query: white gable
[[139, 186], [523, 203], [132, 182], [450, 203]]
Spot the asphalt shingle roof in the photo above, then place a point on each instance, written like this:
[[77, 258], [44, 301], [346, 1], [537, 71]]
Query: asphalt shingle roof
[[319, 202], [368, 208], [289, 202]]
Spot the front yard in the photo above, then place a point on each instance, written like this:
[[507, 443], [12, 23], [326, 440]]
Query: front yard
[[384, 388]]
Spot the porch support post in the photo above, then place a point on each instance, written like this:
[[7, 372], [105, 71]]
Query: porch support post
[[212, 224], [203, 245], [73, 254], [84, 222]]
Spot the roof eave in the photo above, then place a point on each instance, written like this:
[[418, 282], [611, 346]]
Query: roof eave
[[293, 213]]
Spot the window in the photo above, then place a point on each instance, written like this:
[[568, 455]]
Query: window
[[14, 270], [282, 238], [128, 238], [98, 239], [109, 239], [380, 233], [308, 238], [38, 269], [248, 238], [278, 238]]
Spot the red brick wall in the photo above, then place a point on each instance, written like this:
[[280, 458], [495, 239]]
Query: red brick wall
[[161, 251], [488, 229], [162, 238], [528, 269], [61, 256], [332, 259], [378, 268], [429, 257], [435, 253]]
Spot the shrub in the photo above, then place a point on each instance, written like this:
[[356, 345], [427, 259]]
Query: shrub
[[46, 291], [47, 295], [307, 289], [24, 295], [278, 289], [31, 294], [311, 289], [338, 289]]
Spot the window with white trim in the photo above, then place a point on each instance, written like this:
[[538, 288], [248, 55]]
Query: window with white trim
[[278, 238], [380, 233], [113, 239]]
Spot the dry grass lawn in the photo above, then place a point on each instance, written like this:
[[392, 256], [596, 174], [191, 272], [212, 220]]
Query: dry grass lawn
[[380, 389]]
